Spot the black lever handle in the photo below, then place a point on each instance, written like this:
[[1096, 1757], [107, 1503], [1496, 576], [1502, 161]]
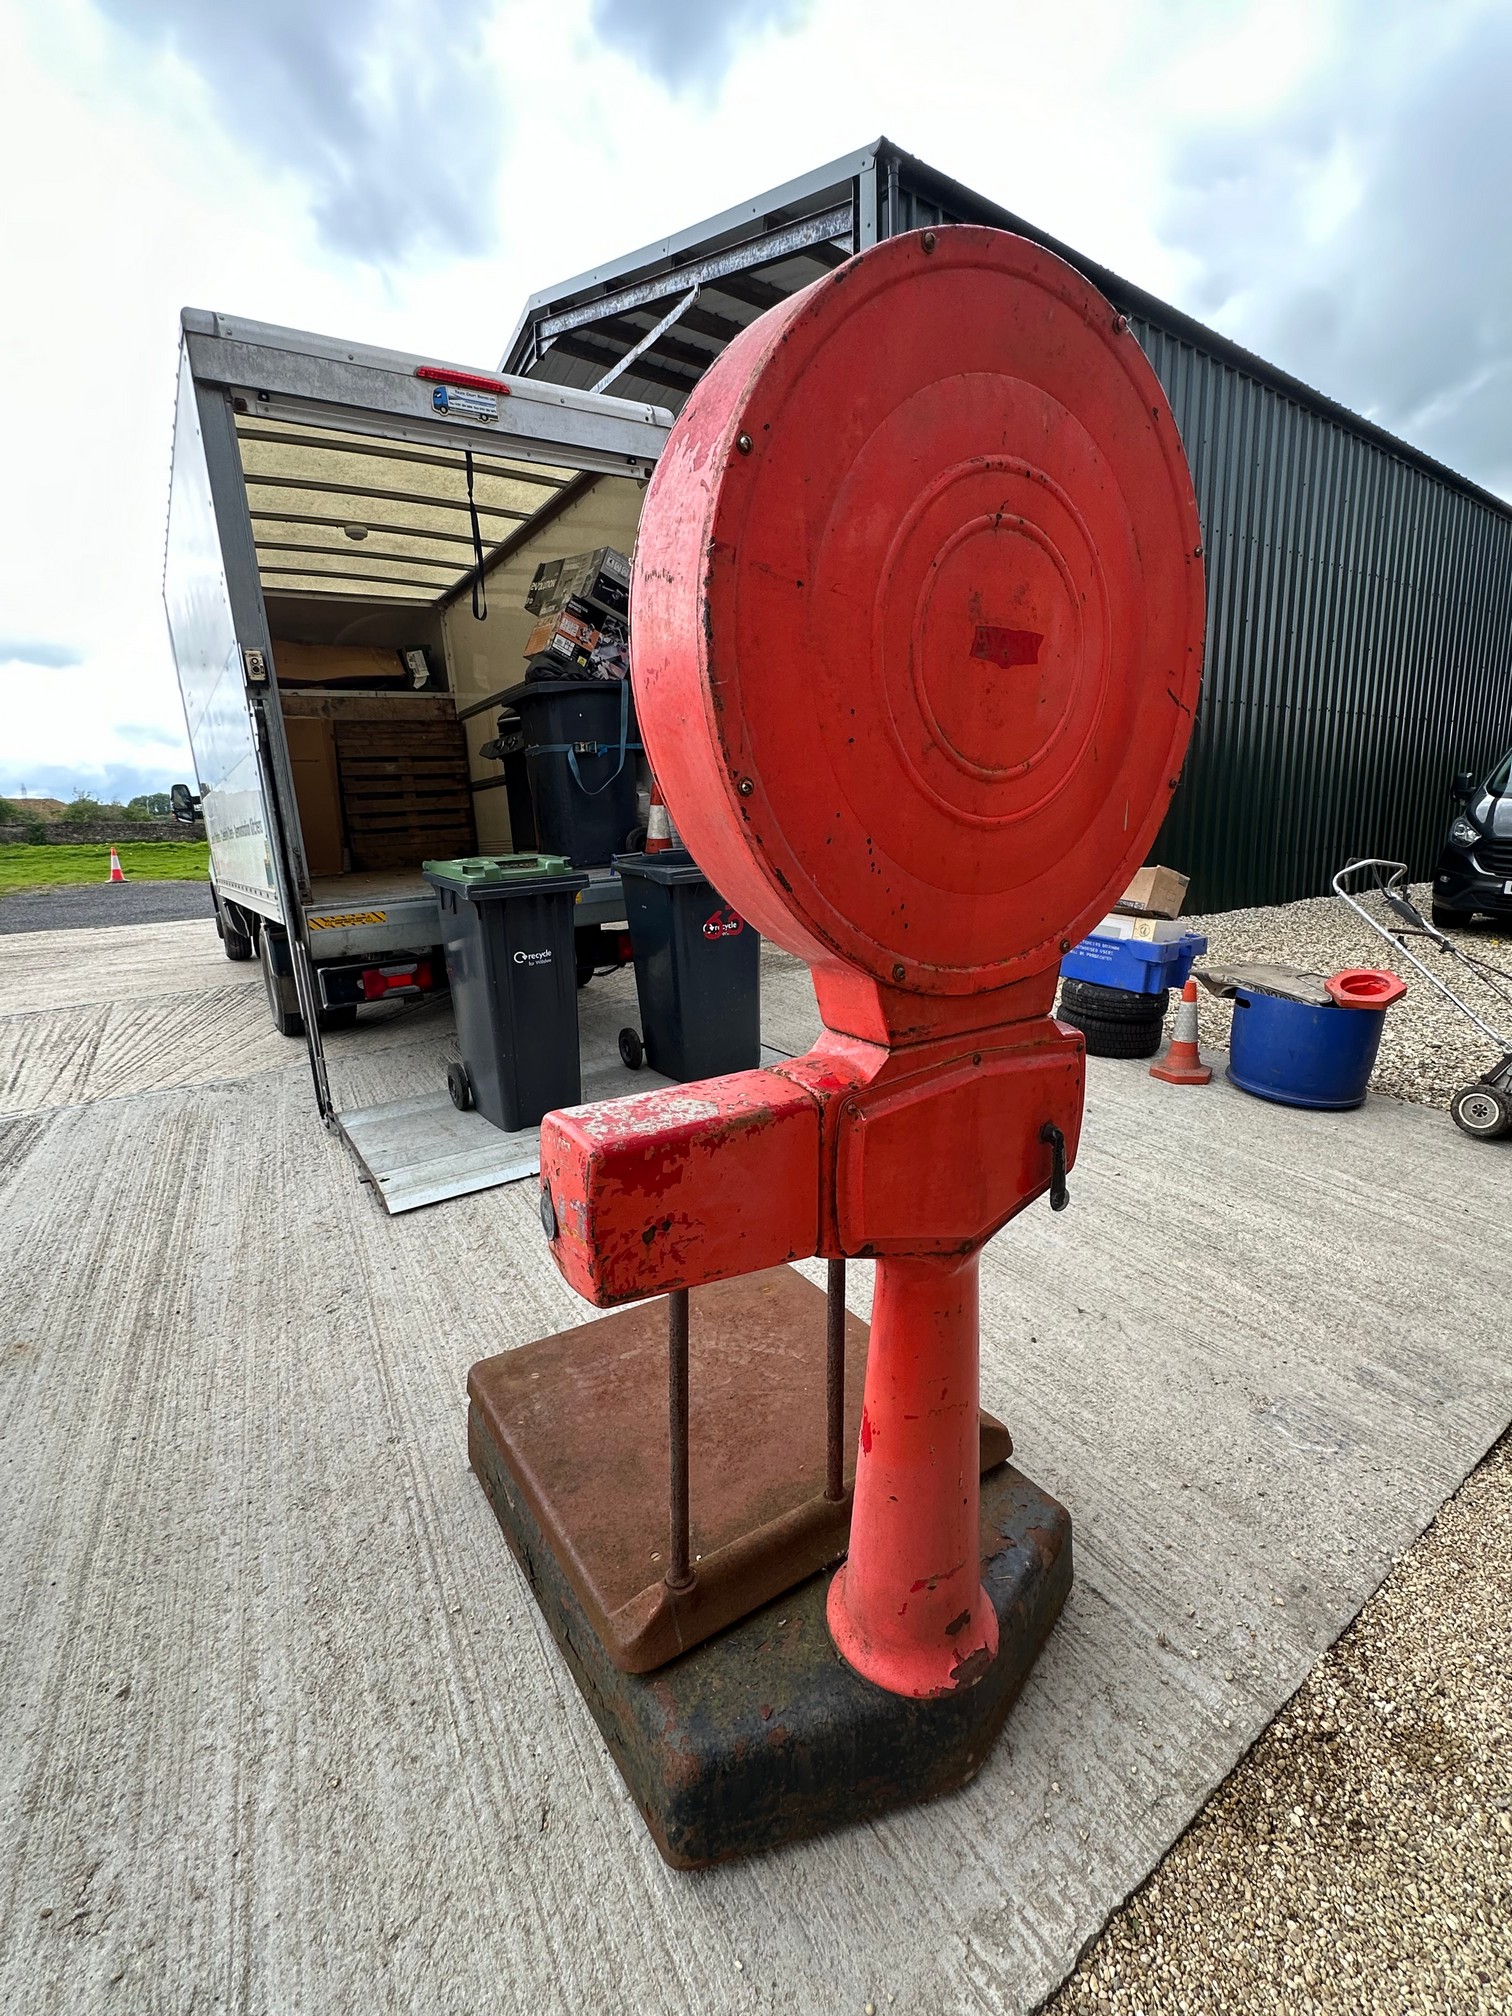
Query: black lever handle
[[1060, 1196]]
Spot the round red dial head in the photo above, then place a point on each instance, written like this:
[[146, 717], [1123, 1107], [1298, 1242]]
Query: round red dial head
[[918, 612]]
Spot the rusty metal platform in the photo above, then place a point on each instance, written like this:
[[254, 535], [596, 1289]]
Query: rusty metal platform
[[764, 1735], [574, 1428]]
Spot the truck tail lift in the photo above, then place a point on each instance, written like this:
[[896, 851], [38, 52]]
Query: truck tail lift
[[918, 609]]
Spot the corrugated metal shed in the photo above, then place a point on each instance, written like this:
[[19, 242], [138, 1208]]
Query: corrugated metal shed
[[1359, 594]]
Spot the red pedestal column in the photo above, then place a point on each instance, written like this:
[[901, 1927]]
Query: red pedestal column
[[908, 1609]]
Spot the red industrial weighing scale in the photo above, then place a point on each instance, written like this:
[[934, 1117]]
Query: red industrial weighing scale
[[917, 617]]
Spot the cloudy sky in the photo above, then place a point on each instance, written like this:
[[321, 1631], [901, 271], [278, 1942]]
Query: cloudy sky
[[1324, 180]]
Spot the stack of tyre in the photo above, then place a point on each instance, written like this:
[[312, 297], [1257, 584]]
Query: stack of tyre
[[1115, 1021]]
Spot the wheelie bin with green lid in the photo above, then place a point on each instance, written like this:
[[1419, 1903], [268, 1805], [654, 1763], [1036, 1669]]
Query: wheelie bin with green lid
[[507, 926]]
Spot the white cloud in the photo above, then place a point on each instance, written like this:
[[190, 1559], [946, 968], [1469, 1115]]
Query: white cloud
[[688, 43], [1356, 234], [1215, 155], [38, 652], [384, 109]]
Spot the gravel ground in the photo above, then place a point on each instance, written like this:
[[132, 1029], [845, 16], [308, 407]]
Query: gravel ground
[[97, 905], [1360, 1858], [1428, 1049]]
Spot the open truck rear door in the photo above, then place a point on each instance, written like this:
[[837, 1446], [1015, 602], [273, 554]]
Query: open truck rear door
[[328, 496]]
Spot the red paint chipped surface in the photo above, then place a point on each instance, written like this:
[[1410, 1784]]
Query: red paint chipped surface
[[866, 1436], [1004, 647]]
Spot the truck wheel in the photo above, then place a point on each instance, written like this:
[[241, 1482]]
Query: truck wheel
[[459, 1085], [283, 1001], [1481, 1111], [632, 1050], [236, 940]]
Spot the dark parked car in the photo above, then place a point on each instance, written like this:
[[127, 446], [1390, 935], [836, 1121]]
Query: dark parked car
[[1474, 871]]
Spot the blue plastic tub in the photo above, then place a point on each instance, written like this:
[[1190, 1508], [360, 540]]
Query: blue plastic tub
[[1132, 963], [1298, 1055]]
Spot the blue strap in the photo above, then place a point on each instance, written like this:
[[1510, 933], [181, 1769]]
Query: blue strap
[[601, 749]]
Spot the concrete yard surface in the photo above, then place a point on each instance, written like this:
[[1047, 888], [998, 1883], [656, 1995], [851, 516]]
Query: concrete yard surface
[[282, 1731]]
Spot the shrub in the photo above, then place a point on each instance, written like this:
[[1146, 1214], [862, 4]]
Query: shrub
[[35, 834], [90, 812], [9, 814]]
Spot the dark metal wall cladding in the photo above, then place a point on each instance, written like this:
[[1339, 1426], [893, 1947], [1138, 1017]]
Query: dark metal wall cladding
[[1359, 641], [1359, 646]]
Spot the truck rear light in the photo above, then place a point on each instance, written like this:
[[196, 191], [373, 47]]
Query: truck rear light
[[434, 374], [379, 982]]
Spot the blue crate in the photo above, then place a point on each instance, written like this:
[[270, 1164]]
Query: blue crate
[[1133, 963]]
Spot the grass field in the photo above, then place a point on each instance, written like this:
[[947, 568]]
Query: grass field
[[142, 861]]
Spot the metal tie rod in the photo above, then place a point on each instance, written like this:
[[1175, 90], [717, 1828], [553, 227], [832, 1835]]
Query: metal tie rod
[[834, 1383], [651, 336], [679, 1570]]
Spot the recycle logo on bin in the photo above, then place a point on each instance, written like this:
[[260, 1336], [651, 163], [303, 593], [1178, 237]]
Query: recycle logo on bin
[[723, 924]]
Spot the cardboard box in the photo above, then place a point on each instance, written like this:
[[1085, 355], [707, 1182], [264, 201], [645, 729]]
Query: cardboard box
[[337, 665], [1138, 930], [317, 792], [1154, 892], [565, 633], [600, 579]]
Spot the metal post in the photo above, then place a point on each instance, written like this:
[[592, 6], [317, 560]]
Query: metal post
[[908, 1609], [679, 1571], [834, 1382]]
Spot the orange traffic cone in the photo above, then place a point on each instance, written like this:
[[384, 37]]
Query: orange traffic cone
[[661, 834], [1182, 1064], [115, 867]]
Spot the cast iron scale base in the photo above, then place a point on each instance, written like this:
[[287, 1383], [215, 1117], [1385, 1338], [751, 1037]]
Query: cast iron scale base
[[761, 1733]]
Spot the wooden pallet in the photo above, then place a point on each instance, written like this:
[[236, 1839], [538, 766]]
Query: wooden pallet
[[404, 792]]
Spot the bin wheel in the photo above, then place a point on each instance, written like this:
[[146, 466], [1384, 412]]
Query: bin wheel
[[1482, 1111], [632, 1050], [459, 1085]]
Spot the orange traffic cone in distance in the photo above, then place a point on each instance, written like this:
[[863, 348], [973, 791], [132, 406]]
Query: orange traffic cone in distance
[[115, 867], [1182, 1064], [661, 834]]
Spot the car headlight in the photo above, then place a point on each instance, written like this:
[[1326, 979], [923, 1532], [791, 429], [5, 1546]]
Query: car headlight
[[1463, 834]]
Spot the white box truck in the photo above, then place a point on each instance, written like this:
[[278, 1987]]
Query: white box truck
[[351, 536]]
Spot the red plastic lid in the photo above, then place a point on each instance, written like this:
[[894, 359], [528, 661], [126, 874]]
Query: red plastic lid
[[1365, 987], [918, 613]]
